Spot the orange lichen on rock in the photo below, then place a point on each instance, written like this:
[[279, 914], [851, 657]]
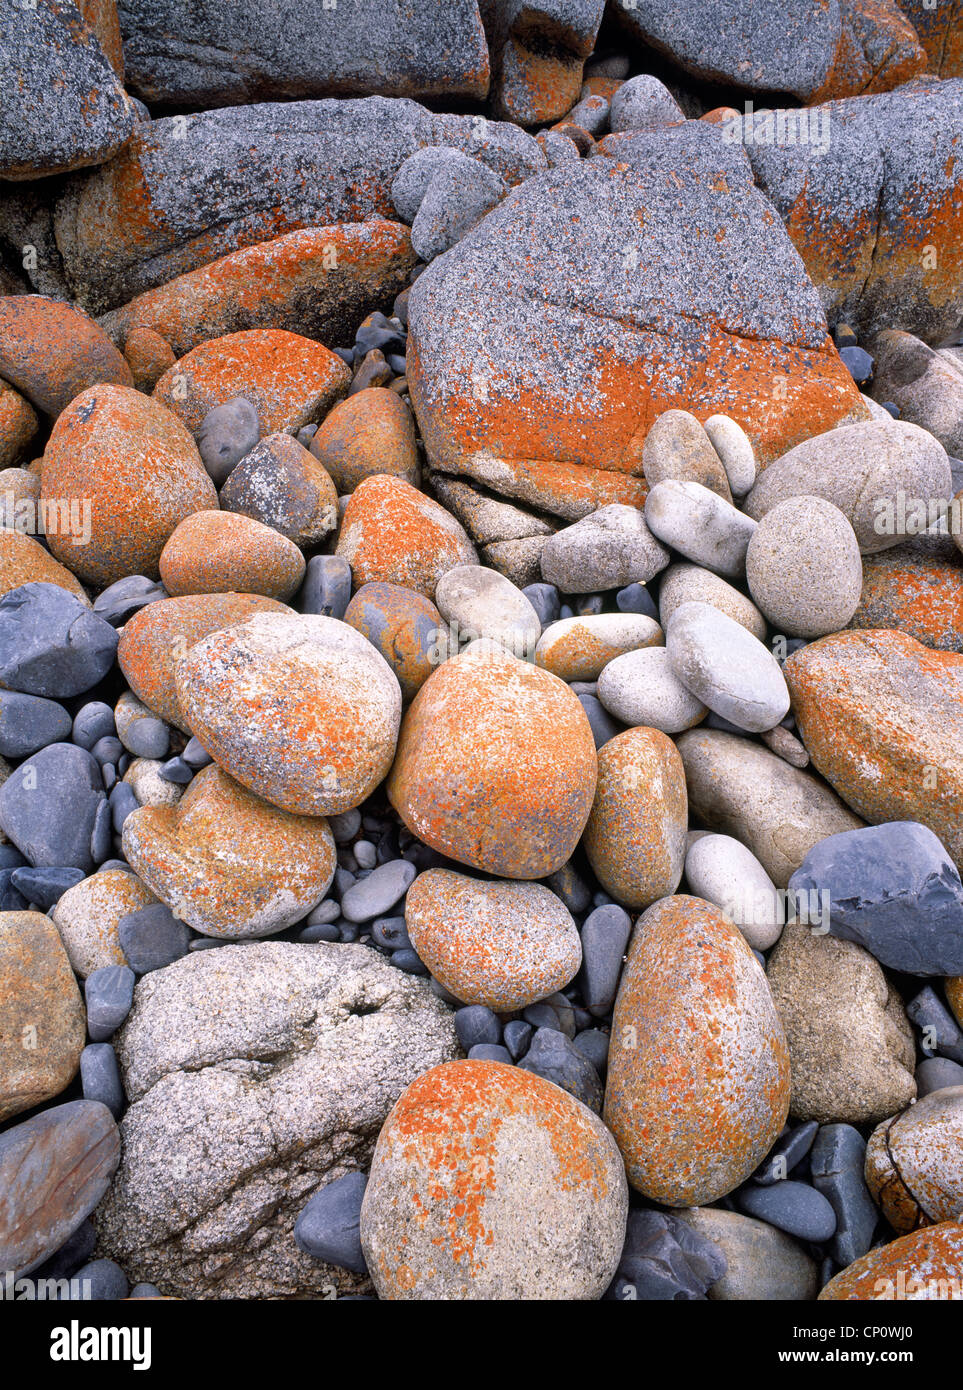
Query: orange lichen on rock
[[393, 534], [926, 1264], [224, 552], [51, 351]]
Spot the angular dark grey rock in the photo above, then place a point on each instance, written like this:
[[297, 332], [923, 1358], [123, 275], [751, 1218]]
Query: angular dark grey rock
[[256, 1075], [183, 54], [894, 890], [29, 722], [51, 644], [939, 1029], [837, 1160], [64, 106], [49, 807], [554, 1056], [664, 1260], [329, 1228], [791, 1149], [127, 596], [152, 937]]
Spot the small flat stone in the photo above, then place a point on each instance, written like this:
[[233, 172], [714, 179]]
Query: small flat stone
[[700, 525], [377, 894]]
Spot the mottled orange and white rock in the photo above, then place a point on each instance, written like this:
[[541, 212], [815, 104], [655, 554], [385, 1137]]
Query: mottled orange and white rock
[[537, 362], [43, 1026], [51, 352], [489, 1182], [319, 281], [954, 993], [229, 864], [882, 719], [916, 588], [496, 765], [18, 426], [282, 485], [635, 838], [25, 561], [223, 552], [698, 1081], [538, 52], [133, 470], [577, 649], [406, 628], [369, 433], [302, 710], [392, 533], [87, 917], [926, 1264], [914, 1162], [155, 638], [502, 944], [940, 30], [291, 381]]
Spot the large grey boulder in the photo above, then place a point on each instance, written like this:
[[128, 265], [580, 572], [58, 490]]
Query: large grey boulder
[[64, 106], [871, 196], [178, 52], [256, 1075], [189, 189], [811, 48], [602, 293]]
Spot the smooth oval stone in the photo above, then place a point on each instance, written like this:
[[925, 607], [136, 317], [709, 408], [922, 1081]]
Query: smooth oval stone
[[786, 1153], [895, 891], [54, 1169], [934, 1073], [726, 668], [502, 944], [405, 627], [225, 435], [488, 1181], [544, 598], [778, 811], [924, 1264], [793, 1207], [698, 1081], [326, 590], [762, 1263], [721, 870], [635, 598], [152, 937], [677, 448], [734, 448], [92, 722], [51, 644], [45, 887], [100, 1077], [109, 994], [578, 649], [605, 935], [836, 1161], [700, 525], [49, 807], [329, 1227], [483, 603], [804, 568], [641, 688], [475, 1025], [914, 1162], [606, 550], [102, 1281], [29, 722], [376, 894], [685, 583], [635, 836]]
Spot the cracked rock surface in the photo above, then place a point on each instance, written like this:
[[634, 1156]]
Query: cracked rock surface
[[256, 1075]]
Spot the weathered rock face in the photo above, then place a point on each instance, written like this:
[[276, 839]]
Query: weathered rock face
[[926, 1264], [256, 1074], [814, 50], [66, 107], [600, 256], [873, 206], [940, 30], [182, 54], [538, 52], [190, 189], [914, 1162], [916, 588], [320, 281]]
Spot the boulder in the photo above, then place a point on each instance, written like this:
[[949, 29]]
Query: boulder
[[914, 1162], [640, 320], [538, 52], [926, 1264], [257, 1074], [51, 352]]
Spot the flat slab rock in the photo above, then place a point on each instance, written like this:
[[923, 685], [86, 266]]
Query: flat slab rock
[[256, 1075], [189, 189], [180, 53], [600, 294]]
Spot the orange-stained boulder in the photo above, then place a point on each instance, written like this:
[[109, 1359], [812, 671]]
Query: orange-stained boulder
[[148, 356], [914, 1162], [538, 51], [18, 425], [392, 533], [136, 466], [300, 709], [222, 553], [940, 30], [319, 281], [25, 561], [926, 1264], [406, 628], [496, 765], [538, 360], [228, 863], [51, 351], [636, 835], [698, 1080], [291, 381], [370, 432], [882, 719], [954, 993], [155, 638], [489, 1182], [916, 588]]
